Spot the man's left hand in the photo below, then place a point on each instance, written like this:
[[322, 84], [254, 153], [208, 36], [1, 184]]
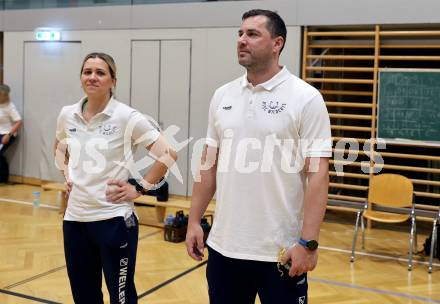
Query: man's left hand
[[302, 259]]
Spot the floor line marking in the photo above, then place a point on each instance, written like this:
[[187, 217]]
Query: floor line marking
[[24, 296], [28, 203], [375, 290]]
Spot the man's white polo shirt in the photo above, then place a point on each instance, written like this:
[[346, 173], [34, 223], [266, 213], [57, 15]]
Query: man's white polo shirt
[[264, 134], [98, 151]]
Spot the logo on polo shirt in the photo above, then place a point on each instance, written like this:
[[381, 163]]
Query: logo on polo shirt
[[108, 129], [227, 108], [72, 130], [302, 300], [273, 107]]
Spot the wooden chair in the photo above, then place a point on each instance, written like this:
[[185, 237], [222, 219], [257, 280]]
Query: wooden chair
[[388, 190]]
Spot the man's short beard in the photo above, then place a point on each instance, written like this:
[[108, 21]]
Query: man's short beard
[[253, 66]]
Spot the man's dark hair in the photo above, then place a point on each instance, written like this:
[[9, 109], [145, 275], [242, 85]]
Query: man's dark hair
[[275, 23]]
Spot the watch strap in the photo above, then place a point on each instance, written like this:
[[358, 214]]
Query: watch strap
[[139, 188], [308, 244]]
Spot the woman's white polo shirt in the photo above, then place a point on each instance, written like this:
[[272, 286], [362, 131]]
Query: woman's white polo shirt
[[99, 151]]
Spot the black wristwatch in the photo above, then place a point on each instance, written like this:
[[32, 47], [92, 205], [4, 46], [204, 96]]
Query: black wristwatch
[[138, 186], [311, 245]]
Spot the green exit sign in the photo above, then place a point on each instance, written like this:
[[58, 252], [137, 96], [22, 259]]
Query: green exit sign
[[47, 35]]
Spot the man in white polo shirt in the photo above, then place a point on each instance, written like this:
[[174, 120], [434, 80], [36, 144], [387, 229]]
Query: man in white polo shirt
[[266, 155]]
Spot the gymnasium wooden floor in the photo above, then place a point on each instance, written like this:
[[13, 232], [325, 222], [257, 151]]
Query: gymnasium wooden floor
[[32, 267]]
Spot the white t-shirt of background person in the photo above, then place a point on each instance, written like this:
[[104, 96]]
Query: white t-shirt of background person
[[264, 133], [99, 151], [8, 116]]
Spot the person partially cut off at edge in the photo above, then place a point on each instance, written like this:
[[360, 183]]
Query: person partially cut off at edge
[[10, 123]]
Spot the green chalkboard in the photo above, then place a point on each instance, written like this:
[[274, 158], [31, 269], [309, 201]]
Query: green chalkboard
[[409, 105]]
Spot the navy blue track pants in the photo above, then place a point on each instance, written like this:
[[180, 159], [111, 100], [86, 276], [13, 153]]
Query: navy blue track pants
[[107, 246], [235, 281]]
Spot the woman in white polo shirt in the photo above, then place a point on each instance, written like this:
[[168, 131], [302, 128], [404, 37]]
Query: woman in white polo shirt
[[10, 122], [95, 139]]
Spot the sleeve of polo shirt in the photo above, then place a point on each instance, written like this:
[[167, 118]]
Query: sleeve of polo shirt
[[143, 131], [212, 138], [60, 133], [13, 113], [315, 132]]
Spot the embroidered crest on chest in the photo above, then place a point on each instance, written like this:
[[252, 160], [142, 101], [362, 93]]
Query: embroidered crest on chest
[[273, 107], [108, 129]]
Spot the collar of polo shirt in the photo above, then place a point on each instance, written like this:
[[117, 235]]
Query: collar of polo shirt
[[108, 110], [269, 85]]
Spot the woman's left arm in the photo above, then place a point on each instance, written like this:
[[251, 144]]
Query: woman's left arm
[[119, 191]]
